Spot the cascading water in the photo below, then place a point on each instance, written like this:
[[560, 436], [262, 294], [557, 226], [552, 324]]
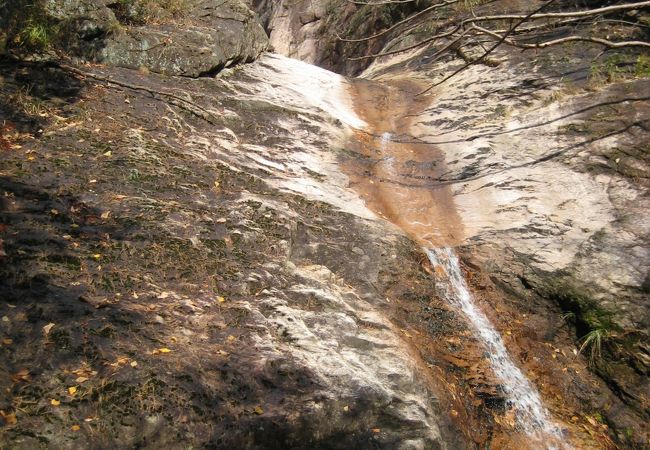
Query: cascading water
[[399, 189], [531, 414]]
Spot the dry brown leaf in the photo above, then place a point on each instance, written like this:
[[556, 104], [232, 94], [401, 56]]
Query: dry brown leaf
[[7, 341], [9, 418], [47, 328], [21, 375], [80, 379], [376, 430], [75, 427]]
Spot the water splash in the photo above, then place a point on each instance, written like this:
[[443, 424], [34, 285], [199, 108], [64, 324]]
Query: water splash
[[531, 414]]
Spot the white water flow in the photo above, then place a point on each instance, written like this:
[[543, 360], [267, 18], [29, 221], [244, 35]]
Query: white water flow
[[531, 414]]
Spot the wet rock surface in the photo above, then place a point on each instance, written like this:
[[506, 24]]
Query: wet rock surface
[[185, 298], [190, 262]]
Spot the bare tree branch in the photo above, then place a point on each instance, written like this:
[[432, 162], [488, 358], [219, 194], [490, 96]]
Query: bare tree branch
[[490, 50], [401, 22], [559, 41], [414, 46]]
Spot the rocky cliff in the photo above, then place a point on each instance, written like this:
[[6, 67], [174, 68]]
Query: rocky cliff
[[197, 255]]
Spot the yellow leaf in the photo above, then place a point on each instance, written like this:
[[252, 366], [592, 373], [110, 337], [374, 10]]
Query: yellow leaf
[[258, 410], [221, 299], [72, 390], [164, 350], [231, 338], [7, 341], [97, 256], [75, 427], [47, 328], [134, 364], [376, 430], [55, 402]]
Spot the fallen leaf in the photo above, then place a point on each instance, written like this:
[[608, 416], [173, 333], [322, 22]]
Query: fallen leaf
[[231, 338], [75, 427], [376, 430], [105, 215], [22, 375], [97, 256], [9, 419], [221, 299], [134, 364], [108, 153], [47, 328], [5, 319], [161, 350], [258, 410], [72, 390], [7, 341], [346, 408], [81, 379], [221, 220], [55, 402]]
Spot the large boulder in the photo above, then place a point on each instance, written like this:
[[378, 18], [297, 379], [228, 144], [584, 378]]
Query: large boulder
[[185, 37]]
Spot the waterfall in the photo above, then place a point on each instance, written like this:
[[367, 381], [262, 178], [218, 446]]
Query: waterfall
[[530, 413]]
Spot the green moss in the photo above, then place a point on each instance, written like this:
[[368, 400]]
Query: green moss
[[620, 66]]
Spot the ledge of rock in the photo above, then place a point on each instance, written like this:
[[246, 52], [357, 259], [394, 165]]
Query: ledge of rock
[[199, 38]]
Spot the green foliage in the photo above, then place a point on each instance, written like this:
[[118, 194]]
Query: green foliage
[[594, 324], [29, 28], [37, 36], [642, 66], [592, 344], [620, 66]]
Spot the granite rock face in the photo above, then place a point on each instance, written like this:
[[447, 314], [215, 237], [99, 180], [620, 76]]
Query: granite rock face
[[548, 171], [190, 38]]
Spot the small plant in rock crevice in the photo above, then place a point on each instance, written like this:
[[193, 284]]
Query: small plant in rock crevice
[[592, 344]]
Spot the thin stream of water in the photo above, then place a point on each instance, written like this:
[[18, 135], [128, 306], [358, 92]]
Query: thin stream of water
[[392, 187], [531, 414]]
